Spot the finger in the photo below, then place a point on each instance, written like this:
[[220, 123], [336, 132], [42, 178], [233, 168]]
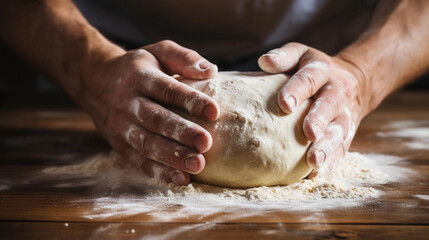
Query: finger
[[352, 128], [159, 120], [154, 169], [328, 167], [163, 88], [333, 137], [313, 72], [160, 149], [303, 85], [328, 104], [183, 61], [282, 59], [340, 152]]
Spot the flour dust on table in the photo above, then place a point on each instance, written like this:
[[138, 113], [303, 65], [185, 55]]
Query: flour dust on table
[[119, 190], [413, 134]]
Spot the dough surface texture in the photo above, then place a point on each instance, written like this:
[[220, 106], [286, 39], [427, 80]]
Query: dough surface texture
[[254, 142]]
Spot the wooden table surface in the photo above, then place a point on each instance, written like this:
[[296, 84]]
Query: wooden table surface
[[33, 138]]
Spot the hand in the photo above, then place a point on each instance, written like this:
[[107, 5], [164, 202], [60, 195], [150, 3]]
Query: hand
[[126, 97], [335, 86]]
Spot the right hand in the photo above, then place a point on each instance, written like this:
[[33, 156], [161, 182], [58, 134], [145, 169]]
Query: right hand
[[126, 96]]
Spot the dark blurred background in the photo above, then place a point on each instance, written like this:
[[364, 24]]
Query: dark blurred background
[[18, 80]]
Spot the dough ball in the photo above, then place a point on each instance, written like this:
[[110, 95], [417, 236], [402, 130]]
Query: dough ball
[[254, 142]]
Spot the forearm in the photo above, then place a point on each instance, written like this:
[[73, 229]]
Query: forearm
[[394, 51], [56, 39]]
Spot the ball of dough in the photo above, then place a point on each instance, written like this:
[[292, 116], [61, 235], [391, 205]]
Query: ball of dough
[[254, 142]]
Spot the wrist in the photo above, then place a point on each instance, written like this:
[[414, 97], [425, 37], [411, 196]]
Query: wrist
[[97, 54]]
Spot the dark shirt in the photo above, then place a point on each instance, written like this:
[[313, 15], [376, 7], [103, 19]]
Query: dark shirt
[[231, 33]]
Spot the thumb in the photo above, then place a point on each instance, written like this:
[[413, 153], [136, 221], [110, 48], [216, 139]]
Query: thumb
[[183, 61], [282, 59]]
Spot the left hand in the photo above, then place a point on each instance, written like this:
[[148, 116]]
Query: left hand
[[336, 86]]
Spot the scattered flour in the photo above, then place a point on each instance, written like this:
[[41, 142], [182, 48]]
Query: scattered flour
[[422, 144], [415, 134], [122, 190], [421, 196]]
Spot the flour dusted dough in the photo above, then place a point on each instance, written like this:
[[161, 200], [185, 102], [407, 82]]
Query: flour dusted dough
[[254, 142]]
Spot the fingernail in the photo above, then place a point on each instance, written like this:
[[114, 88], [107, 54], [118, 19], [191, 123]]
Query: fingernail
[[210, 112], [178, 178], [200, 142], [316, 130], [191, 164], [291, 102], [320, 158], [204, 65]]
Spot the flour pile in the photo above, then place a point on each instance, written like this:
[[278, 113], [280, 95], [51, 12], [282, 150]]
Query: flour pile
[[122, 190]]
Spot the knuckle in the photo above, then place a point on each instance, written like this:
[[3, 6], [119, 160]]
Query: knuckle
[[330, 102], [146, 141], [152, 117], [343, 126], [325, 59], [194, 102], [314, 118], [191, 55], [328, 61], [139, 52], [329, 69], [169, 92], [316, 111], [167, 43], [309, 81], [131, 79], [293, 45], [179, 129]]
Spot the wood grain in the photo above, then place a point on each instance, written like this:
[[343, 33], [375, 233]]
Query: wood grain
[[33, 139], [61, 230]]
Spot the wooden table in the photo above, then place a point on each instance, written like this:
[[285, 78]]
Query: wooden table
[[34, 137]]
